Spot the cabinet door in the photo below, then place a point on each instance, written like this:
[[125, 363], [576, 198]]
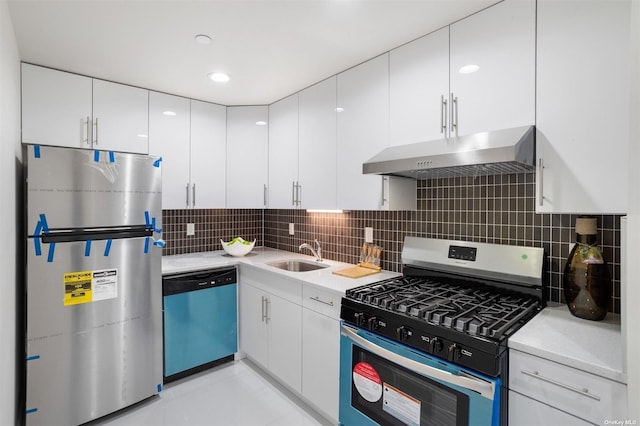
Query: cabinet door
[[283, 153], [321, 361], [253, 326], [247, 153], [500, 40], [56, 107], [418, 88], [317, 145], [120, 117], [208, 155], [524, 411], [285, 341], [169, 138], [583, 78], [362, 131]]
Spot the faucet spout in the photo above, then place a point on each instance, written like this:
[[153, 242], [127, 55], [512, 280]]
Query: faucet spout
[[316, 252]]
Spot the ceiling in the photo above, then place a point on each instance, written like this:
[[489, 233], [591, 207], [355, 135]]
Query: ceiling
[[271, 48]]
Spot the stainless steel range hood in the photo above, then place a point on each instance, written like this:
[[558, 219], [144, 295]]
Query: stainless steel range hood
[[491, 153]]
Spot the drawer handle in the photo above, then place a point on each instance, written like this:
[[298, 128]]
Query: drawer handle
[[317, 299], [583, 391]]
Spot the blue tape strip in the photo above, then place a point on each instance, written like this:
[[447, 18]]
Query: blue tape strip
[[52, 249], [159, 387], [36, 151], [96, 156], [107, 249], [147, 218], [31, 410], [38, 230], [146, 245], [43, 223], [87, 248], [33, 357], [112, 157], [37, 246], [157, 162]]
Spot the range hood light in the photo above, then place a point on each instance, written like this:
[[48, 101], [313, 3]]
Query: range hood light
[[323, 211]]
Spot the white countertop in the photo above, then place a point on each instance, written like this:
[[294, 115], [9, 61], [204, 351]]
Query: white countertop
[[556, 335], [259, 256]]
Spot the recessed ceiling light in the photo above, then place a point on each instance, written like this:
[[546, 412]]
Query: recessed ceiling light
[[339, 109], [468, 69], [143, 136], [169, 113], [203, 39], [219, 77], [261, 123]]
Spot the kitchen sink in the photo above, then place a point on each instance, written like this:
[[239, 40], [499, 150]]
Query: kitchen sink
[[296, 265]]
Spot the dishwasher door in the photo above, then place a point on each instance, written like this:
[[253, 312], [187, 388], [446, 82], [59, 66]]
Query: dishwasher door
[[200, 320]]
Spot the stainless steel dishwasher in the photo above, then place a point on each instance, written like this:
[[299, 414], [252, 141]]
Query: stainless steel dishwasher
[[199, 321]]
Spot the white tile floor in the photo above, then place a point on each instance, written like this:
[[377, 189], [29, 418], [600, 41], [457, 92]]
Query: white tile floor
[[233, 394]]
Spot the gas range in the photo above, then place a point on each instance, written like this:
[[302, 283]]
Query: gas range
[[459, 301]]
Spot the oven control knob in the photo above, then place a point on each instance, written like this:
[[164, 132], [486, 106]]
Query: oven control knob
[[359, 317], [454, 353], [373, 323], [435, 345], [402, 333]]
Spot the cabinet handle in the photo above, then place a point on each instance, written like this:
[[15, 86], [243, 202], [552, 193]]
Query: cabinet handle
[[293, 192], [540, 182], [383, 199], [266, 310], [443, 114], [186, 199], [96, 126], [454, 114], [299, 194], [193, 195], [317, 299], [263, 310], [87, 130], [583, 391], [264, 195]]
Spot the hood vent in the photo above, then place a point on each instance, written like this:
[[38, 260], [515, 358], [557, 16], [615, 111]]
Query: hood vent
[[491, 153]]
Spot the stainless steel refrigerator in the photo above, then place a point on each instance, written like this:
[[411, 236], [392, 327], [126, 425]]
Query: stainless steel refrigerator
[[93, 282]]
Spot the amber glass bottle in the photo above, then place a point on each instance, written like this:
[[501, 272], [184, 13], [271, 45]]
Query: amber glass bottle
[[586, 280]]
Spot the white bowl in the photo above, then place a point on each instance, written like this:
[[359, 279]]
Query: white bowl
[[238, 248]]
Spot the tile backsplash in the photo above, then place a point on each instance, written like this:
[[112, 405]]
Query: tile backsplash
[[489, 209]]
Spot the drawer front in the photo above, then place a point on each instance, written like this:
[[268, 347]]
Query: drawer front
[[271, 282], [325, 302], [582, 394], [524, 411]]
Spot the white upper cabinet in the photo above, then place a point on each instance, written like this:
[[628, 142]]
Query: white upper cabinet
[[65, 109], [284, 187], [317, 145], [500, 94], [208, 154], [169, 118], [418, 89], [583, 80], [247, 157]]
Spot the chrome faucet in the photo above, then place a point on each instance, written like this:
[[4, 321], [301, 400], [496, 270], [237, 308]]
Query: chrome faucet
[[317, 252]]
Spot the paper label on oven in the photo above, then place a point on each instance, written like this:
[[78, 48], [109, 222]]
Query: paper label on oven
[[367, 381], [401, 406]]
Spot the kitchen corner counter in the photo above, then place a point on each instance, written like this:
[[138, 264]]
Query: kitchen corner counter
[[258, 258], [591, 346]]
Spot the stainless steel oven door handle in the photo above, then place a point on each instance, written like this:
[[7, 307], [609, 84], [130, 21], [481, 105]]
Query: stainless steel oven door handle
[[480, 386]]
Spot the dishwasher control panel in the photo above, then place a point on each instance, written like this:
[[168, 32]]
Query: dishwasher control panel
[[192, 281]]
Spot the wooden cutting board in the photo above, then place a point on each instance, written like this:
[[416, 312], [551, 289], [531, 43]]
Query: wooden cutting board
[[357, 271]]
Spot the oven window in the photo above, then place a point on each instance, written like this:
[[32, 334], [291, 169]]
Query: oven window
[[393, 395]]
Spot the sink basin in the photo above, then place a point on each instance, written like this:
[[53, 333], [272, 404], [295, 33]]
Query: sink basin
[[296, 265]]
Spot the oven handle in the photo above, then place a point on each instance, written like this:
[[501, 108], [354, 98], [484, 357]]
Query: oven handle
[[484, 388]]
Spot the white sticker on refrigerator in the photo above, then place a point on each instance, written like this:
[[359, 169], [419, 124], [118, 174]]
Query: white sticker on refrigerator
[[90, 286], [401, 406], [367, 381]]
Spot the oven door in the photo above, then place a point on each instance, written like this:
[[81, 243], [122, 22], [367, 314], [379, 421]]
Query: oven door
[[387, 383]]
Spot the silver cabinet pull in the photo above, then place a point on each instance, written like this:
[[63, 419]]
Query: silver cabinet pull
[[443, 114], [454, 114], [263, 309], [583, 391], [193, 195], [317, 299], [299, 194], [540, 182], [87, 126], [186, 199], [96, 135], [267, 317], [383, 199], [264, 195], [293, 192]]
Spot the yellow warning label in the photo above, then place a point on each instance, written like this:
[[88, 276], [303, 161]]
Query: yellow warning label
[[77, 287]]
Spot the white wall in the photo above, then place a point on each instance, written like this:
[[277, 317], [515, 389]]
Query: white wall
[[9, 151], [633, 224]]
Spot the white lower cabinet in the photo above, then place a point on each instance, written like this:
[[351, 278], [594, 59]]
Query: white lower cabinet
[[270, 324], [559, 394]]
